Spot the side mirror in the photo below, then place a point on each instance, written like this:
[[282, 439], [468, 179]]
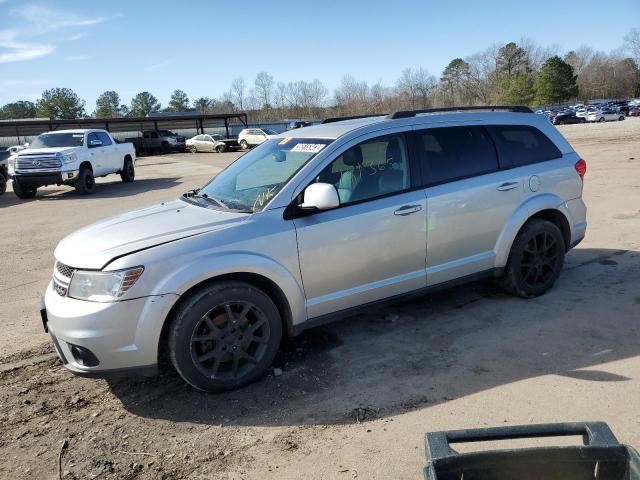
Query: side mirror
[[95, 143], [320, 196]]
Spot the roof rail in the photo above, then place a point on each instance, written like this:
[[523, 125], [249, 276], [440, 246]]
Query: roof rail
[[492, 108], [353, 117]]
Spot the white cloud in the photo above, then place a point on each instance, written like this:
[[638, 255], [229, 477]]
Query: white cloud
[[14, 51], [156, 66], [38, 23]]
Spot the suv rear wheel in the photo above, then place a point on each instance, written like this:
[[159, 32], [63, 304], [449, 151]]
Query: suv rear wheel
[[243, 144], [85, 184], [23, 191], [224, 336], [535, 260]]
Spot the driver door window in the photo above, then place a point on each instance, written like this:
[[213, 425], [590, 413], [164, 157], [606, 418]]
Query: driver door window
[[372, 169]]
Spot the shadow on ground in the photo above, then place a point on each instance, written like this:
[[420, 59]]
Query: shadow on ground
[[113, 189], [420, 353]]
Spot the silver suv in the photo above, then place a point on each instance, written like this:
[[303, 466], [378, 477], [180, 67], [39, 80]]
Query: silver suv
[[308, 227]]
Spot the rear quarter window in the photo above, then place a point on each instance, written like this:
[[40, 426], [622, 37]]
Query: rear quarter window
[[520, 145]]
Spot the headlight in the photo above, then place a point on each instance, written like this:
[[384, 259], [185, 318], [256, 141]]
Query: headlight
[[69, 158], [103, 286], [12, 162]]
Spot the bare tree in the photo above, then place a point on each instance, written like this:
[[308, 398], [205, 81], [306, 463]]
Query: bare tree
[[632, 44], [417, 86], [264, 89], [238, 92]]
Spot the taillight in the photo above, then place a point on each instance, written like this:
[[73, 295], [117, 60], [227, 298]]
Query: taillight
[[581, 168]]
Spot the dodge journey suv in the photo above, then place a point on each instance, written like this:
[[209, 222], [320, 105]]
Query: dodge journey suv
[[307, 227]]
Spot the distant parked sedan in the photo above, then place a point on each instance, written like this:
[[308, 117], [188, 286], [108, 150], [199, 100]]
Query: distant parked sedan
[[605, 115], [634, 112], [567, 117], [211, 143]]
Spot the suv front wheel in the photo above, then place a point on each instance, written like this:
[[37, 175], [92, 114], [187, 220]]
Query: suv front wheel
[[535, 260], [224, 336]]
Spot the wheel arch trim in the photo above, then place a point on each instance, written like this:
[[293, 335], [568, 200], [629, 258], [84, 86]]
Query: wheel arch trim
[[531, 208]]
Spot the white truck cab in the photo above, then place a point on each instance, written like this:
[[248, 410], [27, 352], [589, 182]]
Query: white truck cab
[[70, 157]]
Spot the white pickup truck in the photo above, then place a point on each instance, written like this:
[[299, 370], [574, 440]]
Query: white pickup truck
[[70, 157]]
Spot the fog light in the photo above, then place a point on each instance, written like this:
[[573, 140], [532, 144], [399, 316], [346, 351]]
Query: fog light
[[70, 175], [84, 356]]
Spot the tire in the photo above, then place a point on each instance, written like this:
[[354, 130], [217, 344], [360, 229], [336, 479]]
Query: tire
[[621, 118], [535, 260], [583, 121], [128, 173], [220, 149], [23, 191], [85, 184], [3, 184], [192, 149], [244, 145], [202, 327], [601, 119]]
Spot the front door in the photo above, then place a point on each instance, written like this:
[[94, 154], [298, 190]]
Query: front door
[[373, 246]]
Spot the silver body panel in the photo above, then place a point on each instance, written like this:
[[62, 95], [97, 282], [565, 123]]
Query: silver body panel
[[323, 262]]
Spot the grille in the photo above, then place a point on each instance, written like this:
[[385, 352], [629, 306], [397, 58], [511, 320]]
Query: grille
[[64, 270], [37, 163], [60, 290]]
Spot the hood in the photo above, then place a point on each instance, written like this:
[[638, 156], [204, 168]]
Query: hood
[[44, 151], [94, 246]]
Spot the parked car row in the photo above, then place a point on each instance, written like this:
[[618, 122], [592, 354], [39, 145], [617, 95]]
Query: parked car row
[[601, 112]]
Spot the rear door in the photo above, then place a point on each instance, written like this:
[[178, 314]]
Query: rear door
[[469, 198]]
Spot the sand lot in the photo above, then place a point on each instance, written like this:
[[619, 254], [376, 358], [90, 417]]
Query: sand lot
[[356, 397]]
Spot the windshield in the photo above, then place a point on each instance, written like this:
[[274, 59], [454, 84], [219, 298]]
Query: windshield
[[166, 133], [255, 178], [47, 140], [268, 131]]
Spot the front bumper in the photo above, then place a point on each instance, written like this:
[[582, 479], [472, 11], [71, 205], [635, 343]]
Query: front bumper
[[123, 336], [40, 179]]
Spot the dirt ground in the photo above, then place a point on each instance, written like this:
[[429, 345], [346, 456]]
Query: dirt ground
[[355, 398]]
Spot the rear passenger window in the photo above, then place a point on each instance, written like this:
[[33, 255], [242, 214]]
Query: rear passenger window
[[523, 144], [451, 153]]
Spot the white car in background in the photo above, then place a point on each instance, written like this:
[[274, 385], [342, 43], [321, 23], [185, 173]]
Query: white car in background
[[250, 137], [605, 115]]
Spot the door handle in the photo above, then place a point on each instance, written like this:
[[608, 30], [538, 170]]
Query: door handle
[[407, 210], [508, 186]]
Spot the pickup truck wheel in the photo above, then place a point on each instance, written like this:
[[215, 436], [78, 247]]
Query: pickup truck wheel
[[128, 173], [23, 191], [85, 184], [224, 336], [220, 149], [244, 145], [535, 260]]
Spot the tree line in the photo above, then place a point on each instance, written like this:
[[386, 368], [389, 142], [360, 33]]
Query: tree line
[[521, 73]]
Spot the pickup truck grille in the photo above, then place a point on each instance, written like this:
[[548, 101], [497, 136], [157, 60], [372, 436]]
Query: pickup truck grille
[[37, 162], [65, 270]]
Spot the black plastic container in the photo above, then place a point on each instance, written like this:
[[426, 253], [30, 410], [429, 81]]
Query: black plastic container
[[601, 457]]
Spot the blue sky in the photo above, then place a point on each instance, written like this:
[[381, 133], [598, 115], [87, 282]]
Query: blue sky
[[200, 46]]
